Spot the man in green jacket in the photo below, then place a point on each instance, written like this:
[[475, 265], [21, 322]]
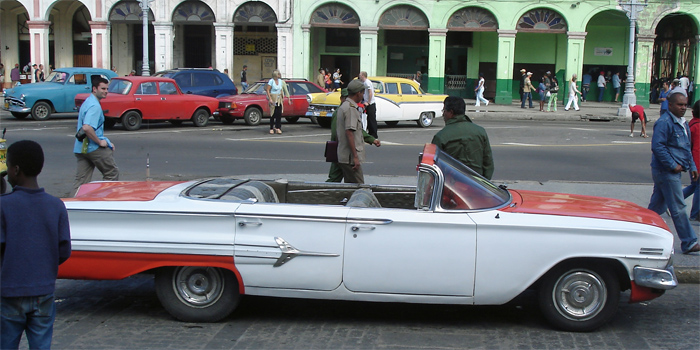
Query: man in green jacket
[[335, 174], [464, 140]]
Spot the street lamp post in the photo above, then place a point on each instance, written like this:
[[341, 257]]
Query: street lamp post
[[145, 4], [632, 9]]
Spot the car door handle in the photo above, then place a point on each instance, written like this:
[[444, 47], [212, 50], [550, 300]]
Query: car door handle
[[362, 227], [163, 99], [138, 99], [251, 223]]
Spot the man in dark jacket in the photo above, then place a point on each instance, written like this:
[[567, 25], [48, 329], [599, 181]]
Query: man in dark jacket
[[464, 140]]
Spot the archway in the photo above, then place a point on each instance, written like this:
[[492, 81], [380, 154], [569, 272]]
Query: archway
[[406, 54], [471, 48], [255, 41], [606, 50], [126, 18], [675, 47], [194, 35], [335, 32]]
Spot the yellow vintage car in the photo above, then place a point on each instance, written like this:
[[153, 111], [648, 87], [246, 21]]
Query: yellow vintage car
[[397, 99]]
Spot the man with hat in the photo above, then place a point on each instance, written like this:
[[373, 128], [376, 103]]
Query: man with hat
[[351, 150], [527, 90], [335, 174], [671, 156], [522, 82]]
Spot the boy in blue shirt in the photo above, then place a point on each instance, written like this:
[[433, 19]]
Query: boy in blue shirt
[[34, 240]]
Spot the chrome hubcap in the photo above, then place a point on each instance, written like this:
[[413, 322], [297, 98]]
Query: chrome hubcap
[[580, 295], [198, 286]]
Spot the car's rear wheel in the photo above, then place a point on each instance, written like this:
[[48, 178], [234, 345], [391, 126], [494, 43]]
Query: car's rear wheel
[[41, 111], [200, 117], [291, 120], [227, 120], [392, 123], [313, 119], [425, 120], [19, 115], [131, 121], [176, 122], [197, 294], [110, 122], [252, 116], [324, 122], [579, 299]]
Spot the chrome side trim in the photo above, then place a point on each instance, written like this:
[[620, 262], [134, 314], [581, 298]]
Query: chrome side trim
[[651, 251], [289, 252], [655, 278], [370, 221], [289, 217], [149, 212]]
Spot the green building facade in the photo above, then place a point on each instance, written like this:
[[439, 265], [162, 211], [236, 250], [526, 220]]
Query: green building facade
[[450, 42]]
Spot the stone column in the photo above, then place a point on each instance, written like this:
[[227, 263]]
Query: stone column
[[224, 46], [643, 66], [368, 50], [696, 72], [574, 59], [285, 49], [9, 44], [164, 36], [305, 55], [39, 44], [100, 44], [436, 60], [504, 66]]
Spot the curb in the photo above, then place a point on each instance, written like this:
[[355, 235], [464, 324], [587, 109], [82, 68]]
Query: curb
[[687, 275]]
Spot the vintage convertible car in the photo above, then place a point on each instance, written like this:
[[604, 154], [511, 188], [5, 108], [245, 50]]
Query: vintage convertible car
[[397, 99], [134, 99], [252, 105], [456, 238], [55, 95]]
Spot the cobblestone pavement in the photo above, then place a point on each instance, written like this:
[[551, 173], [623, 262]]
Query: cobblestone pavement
[[127, 315]]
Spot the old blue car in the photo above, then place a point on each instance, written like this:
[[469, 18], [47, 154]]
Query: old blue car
[[55, 95]]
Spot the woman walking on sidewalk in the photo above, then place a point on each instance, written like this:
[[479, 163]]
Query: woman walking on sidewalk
[[553, 91], [573, 91], [480, 91]]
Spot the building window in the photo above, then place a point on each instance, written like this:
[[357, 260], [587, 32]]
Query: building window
[[255, 12], [128, 11], [472, 19], [193, 11], [403, 17], [542, 20], [334, 15]]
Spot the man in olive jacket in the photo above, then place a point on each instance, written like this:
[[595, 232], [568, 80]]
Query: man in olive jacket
[[464, 140]]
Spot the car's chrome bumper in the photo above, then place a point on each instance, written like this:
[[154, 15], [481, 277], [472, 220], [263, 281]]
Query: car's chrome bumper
[[655, 278]]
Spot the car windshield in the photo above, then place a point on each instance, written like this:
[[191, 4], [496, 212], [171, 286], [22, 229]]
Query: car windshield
[[118, 86], [57, 77], [464, 189], [257, 88]]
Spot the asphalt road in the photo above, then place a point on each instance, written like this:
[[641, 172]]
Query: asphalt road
[[523, 150]]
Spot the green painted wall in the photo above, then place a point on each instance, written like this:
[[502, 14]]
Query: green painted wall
[[535, 48], [615, 38]]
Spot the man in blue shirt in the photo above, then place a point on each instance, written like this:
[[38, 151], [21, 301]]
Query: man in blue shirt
[[34, 240], [95, 150], [671, 156]]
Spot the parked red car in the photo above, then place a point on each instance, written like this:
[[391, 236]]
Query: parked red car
[[252, 105], [133, 99]]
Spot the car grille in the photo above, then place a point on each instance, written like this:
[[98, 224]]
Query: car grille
[[11, 101], [222, 104]]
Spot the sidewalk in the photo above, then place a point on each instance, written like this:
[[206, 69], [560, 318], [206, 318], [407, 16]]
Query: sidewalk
[[600, 111], [687, 266]]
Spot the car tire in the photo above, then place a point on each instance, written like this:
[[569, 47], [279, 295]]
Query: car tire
[[313, 119], [200, 118], [19, 115], [392, 123], [131, 121], [110, 122], [227, 120], [291, 120], [252, 116], [41, 111], [579, 299], [197, 293], [176, 122], [425, 120], [324, 122]]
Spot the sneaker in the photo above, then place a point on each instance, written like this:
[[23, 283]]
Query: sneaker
[[487, 102], [631, 135]]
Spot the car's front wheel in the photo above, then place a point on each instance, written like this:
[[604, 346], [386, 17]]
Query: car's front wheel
[[252, 116], [19, 115], [579, 299], [425, 120], [41, 111], [197, 294], [131, 121], [200, 118]]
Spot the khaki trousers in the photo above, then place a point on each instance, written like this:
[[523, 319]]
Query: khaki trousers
[[102, 159]]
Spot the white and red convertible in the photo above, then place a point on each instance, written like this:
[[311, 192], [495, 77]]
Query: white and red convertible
[[456, 238]]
